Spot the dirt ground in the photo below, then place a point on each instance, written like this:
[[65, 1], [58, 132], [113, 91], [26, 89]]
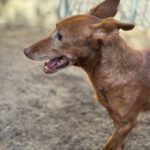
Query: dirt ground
[[53, 112]]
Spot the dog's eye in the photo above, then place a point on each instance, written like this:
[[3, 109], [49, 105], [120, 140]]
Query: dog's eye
[[59, 36]]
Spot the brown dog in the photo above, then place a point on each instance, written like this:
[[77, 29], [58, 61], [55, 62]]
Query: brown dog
[[119, 74]]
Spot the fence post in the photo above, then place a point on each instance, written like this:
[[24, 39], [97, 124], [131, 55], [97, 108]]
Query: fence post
[[133, 10]]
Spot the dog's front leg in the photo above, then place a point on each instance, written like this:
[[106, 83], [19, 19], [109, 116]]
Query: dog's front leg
[[116, 142]]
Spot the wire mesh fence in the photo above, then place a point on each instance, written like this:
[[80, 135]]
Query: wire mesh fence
[[136, 11]]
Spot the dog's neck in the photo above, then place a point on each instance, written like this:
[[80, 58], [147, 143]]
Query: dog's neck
[[90, 63], [117, 54], [113, 55]]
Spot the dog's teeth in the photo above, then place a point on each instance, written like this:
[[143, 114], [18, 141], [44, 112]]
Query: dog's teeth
[[46, 68]]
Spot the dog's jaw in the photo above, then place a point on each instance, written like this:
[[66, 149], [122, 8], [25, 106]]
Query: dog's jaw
[[57, 63]]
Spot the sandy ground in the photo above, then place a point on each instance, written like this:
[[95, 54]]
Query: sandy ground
[[52, 112]]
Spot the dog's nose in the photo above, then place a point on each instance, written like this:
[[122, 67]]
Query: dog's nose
[[26, 51]]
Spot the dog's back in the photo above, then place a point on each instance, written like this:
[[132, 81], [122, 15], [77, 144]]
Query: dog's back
[[148, 74], [146, 79], [147, 66]]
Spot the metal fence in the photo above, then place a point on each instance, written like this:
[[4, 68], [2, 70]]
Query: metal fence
[[136, 11]]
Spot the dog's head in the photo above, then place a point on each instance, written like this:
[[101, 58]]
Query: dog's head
[[71, 40]]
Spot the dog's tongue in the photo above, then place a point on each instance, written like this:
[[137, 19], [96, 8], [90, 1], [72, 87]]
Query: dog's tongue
[[49, 67], [51, 63]]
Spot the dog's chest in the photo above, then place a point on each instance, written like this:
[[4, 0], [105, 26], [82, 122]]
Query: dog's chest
[[104, 80]]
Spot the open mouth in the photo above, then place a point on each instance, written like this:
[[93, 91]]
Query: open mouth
[[56, 64]]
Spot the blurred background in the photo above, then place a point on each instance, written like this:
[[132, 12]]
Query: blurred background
[[52, 112], [31, 12]]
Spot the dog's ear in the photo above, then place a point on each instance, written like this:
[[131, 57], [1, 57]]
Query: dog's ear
[[108, 8], [110, 24], [106, 29]]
